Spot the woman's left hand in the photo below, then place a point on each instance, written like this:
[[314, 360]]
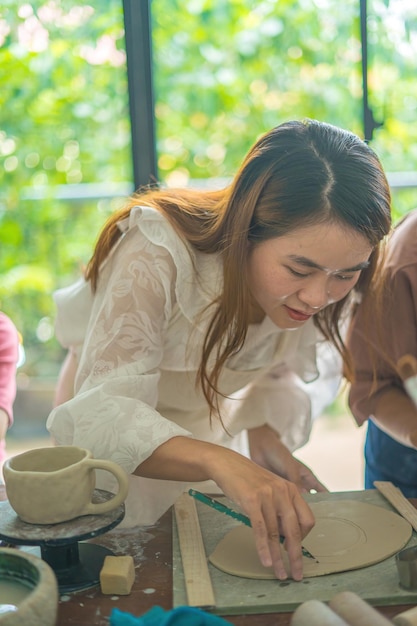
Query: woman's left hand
[[268, 451]]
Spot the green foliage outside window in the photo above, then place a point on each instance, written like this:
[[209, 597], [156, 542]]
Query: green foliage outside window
[[225, 71], [235, 69], [63, 122]]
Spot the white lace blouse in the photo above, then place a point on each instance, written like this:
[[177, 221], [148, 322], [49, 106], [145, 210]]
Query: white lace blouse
[[138, 341]]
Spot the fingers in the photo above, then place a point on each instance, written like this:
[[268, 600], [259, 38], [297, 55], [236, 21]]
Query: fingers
[[267, 541], [304, 478], [316, 485], [296, 523], [274, 506], [304, 515], [284, 516], [311, 483]]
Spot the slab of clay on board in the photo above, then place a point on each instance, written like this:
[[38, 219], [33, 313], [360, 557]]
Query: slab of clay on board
[[378, 584], [347, 535]]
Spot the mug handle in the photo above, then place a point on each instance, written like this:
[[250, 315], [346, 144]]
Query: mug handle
[[94, 508]]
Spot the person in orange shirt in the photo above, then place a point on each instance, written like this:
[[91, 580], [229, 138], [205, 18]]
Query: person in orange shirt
[[383, 330]]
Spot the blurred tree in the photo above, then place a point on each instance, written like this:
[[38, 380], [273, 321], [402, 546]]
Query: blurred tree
[[64, 122], [234, 69]]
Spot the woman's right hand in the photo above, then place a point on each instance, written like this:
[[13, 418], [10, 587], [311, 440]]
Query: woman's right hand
[[274, 507], [272, 503]]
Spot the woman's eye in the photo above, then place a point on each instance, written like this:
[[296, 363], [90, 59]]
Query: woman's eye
[[298, 274], [344, 276]]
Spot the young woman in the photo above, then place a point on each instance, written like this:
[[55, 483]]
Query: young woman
[[196, 303]]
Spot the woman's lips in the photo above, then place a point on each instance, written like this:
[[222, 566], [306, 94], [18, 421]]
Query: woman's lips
[[295, 315]]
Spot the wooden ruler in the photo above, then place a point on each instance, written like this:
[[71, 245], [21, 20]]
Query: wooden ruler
[[396, 498], [194, 561]]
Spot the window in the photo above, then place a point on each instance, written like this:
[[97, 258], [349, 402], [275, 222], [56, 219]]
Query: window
[[224, 71]]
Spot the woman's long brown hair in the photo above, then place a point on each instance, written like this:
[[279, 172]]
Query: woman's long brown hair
[[297, 175]]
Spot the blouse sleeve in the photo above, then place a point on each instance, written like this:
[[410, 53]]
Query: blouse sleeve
[[113, 411], [9, 353], [282, 397]]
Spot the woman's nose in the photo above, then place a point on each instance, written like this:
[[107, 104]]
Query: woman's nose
[[316, 295]]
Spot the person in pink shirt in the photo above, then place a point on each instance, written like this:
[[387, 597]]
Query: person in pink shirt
[[9, 356]]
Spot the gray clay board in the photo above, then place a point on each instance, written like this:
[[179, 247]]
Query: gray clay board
[[377, 584]]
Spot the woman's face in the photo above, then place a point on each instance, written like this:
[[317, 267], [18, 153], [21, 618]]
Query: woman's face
[[295, 276]]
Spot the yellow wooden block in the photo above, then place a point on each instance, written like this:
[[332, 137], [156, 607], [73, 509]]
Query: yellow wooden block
[[117, 575]]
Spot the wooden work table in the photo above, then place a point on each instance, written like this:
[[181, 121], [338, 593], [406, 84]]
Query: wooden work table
[[151, 548]]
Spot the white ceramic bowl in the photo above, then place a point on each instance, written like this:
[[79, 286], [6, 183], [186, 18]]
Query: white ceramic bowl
[[40, 605]]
